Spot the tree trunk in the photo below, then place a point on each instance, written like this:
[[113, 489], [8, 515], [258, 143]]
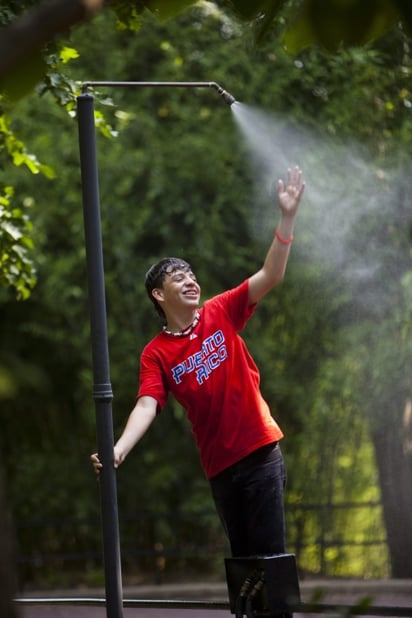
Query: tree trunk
[[393, 450], [8, 585]]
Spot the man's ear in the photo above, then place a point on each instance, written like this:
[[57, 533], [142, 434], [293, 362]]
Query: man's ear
[[157, 294]]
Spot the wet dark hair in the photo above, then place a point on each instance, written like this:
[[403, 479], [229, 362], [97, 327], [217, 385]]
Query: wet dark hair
[[156, 275]]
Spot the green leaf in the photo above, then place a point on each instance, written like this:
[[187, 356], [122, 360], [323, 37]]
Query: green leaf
[[11, 230], [68, 53]]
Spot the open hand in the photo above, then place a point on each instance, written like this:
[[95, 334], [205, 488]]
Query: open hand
[[289, 195]]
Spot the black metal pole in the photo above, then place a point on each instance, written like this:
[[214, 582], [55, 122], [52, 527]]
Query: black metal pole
[[102, 390]]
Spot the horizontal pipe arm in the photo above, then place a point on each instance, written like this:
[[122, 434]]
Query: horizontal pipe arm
[[227, 97]]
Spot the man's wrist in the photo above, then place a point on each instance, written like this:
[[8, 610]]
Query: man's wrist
[[286, 226], [282, 238]]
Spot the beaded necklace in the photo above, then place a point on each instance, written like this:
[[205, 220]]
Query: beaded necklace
[[186, 331]]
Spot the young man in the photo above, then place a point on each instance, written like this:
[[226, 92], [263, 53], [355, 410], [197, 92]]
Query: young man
[[200, 358]]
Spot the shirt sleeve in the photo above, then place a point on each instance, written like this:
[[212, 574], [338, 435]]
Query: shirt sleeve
[[235, 303], [151, 381]]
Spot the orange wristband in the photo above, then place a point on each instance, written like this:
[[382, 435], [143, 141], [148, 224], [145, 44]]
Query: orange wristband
[[283, 241]]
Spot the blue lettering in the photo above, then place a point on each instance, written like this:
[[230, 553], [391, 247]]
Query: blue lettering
[[213, 352], [177, 372], [202, 374], [214, 361], [222, 352], [189, 364], [207, 345]]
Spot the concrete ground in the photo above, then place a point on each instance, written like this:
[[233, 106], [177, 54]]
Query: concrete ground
[[90, 603]]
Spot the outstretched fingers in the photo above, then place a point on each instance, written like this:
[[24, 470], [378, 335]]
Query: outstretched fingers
[[290, 192], [295, 179]]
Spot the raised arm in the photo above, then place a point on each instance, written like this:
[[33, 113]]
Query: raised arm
[[274, 266], [139, 421]]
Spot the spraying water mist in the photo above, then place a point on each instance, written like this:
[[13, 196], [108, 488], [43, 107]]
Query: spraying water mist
[[344, 189]]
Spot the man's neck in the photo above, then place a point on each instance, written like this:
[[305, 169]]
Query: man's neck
[[177, 323]]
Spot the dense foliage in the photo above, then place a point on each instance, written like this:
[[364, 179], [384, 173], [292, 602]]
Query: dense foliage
[[176, 178]]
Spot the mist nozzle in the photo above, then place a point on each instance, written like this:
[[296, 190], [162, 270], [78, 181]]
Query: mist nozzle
[[226, 96]]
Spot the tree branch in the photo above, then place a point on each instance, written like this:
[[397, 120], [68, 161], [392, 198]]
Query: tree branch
[[32, 30]]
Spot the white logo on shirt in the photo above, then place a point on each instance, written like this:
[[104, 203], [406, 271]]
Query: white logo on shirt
[[212, 353]]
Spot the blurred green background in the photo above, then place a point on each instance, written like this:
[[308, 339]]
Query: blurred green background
[[179, 176]]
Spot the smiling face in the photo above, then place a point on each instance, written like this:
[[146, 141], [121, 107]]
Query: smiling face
[[180, 291], [172, 286]]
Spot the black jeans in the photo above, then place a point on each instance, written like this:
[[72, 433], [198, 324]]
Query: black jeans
[[249, 500]]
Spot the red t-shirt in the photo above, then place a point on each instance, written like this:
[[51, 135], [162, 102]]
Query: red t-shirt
[[213, 376]]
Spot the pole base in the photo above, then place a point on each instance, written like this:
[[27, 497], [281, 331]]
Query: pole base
[[268, 585]]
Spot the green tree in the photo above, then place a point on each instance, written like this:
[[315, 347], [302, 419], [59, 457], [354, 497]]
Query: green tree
[[31, 37], [176, 181]]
